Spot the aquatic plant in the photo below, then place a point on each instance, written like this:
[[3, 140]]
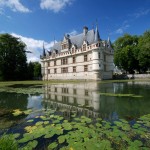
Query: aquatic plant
[[84, 133], [121, 95], [8, 142]]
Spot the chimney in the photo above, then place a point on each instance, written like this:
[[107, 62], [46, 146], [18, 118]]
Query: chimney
[[85, 30]]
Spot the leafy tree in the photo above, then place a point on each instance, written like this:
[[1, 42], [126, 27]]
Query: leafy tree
[[37, 70], [144, 53], [126, 53], [13, 65], [34, 70], [30, 71]]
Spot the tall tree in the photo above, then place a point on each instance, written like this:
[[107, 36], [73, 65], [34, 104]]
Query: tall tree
[[34, 70], [144, 53], [13, 61], [37, 70], [126, 53]]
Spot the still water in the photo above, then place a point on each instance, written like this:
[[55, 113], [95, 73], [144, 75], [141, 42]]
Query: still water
[[91, 99]]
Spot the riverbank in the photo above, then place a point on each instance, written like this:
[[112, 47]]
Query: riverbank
[[36, 82]]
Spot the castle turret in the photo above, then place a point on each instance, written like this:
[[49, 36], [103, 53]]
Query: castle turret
[[97, 36]]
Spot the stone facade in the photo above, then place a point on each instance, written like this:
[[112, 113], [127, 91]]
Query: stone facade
[[84, 56]]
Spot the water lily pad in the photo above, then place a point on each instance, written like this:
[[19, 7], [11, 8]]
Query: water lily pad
[[16, 135], [39, 123], [46, 122], [67, 126], [31, 120], [17, 112], [52, 146], [31, 145], [49, 135], [61, 139]]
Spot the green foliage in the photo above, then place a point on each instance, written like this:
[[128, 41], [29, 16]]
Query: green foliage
[[13, 65], [126, 50], [85, 133], [144, 54], [34, 70], [8, 142], [133, 52]]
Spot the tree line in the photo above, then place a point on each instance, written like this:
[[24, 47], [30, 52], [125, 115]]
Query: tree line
[[132, 52], [13, 60]]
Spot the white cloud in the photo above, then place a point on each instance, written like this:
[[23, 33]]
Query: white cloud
[[55, 5], [35, 46], [14, 5], [121, 29], [141, 13]]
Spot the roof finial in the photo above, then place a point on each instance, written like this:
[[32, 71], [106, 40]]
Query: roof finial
[[97, 36], [108, 42], [44, 53]]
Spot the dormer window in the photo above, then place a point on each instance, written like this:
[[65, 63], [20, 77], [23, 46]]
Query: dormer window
[[64, 46], [84, 47]]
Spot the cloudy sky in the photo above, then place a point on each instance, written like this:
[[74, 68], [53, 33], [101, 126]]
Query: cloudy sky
[[38, 21]]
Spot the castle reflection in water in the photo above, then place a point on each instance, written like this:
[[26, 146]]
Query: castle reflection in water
[[82, 98]]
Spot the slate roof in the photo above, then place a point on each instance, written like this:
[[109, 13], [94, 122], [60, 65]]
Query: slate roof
[[90, 37]]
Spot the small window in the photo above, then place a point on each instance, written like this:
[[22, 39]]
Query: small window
[[73, 60], [48, 71], [55, 70], [64, 70], [55, 89], [99, 55], [86, 92], [64, 61], [85, 57], [86, 102], [75, 100], [74, 91], [48, 64], [54, 62], [85, 68], [74, 69], [64, 46]]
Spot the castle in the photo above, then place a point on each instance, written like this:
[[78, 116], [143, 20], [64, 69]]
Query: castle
[[84, 56]]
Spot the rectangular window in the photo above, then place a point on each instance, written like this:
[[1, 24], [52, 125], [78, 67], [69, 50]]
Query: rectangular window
[[74, 69], [48, 71], [54, 62], [64, 70], [85, 68], [85, 57], [86, 92], [48, 64], [99, 55], [86, 102], [64, 90], [73, 60], [55, 70], [74, 91], [64, 61], [55, 89]]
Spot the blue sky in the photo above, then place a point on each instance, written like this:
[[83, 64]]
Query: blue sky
[[38, 21]]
